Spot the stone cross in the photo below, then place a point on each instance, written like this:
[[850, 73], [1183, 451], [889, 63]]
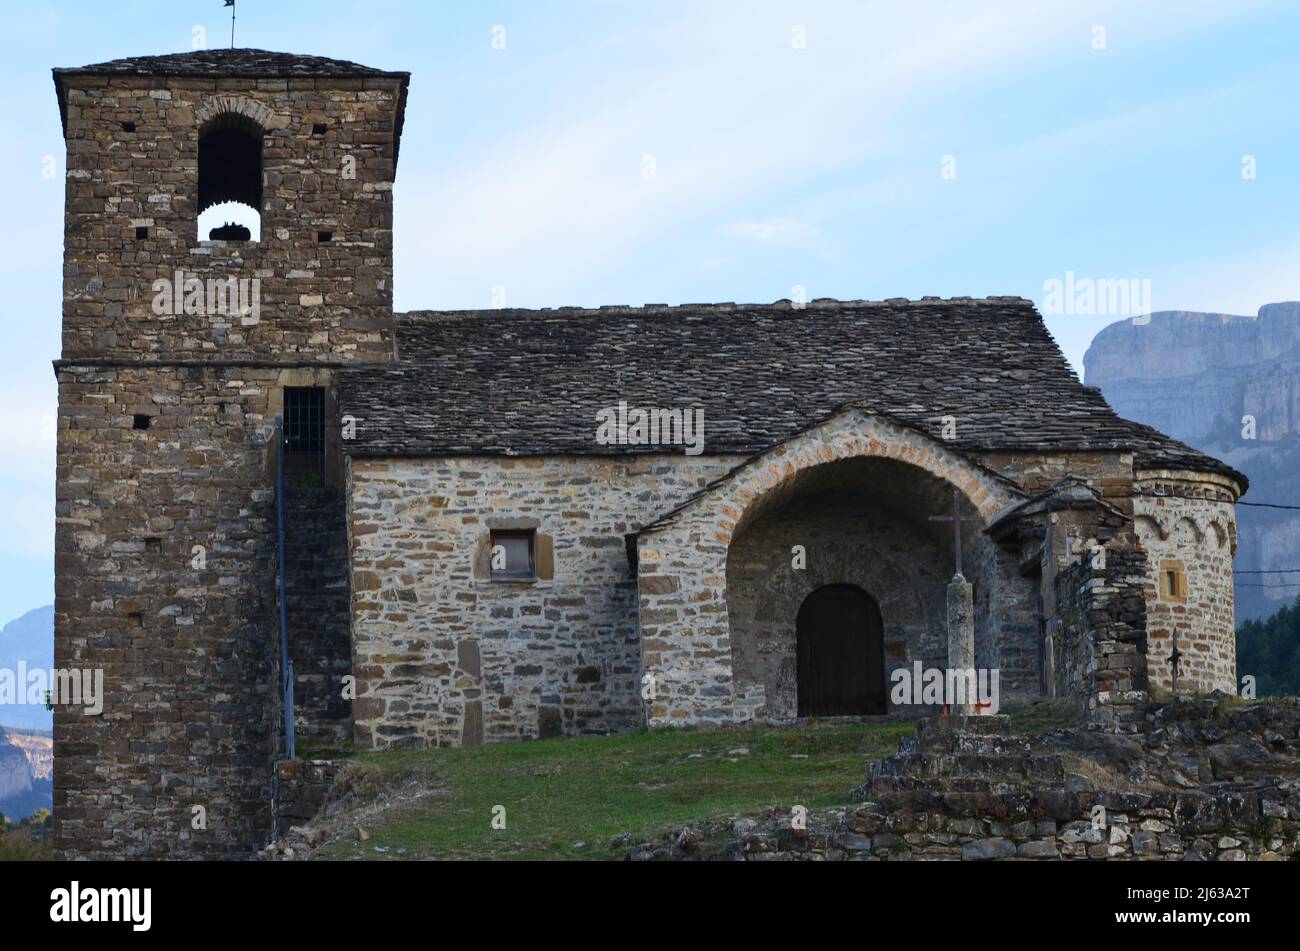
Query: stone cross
[[956, 519], [961, 635]]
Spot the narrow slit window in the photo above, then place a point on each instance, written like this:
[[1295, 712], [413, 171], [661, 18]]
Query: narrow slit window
[[513, 555], [1173, 582], [140, 422]]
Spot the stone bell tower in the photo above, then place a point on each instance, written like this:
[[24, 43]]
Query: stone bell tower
[[180, 350]]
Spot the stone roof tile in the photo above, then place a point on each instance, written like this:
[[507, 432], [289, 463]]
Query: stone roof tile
[[530, 382], [229, 62], [238, 62]]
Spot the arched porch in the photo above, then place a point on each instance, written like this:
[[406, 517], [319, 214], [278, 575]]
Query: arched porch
[[853, 497]]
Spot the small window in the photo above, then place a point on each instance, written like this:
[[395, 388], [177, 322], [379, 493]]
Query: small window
[[512, 555], [318, 128], [324, 236], [128, 126], [1173, 581], [140, 421], [304, 420], [141, 234], [304, 430]]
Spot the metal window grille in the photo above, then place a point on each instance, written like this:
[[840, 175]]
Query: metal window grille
[[304, 428]]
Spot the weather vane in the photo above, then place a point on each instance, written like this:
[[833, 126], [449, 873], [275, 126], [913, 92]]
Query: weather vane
[[231, 4]]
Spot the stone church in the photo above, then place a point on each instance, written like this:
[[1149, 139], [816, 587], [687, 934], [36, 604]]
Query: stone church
[[278, 499]]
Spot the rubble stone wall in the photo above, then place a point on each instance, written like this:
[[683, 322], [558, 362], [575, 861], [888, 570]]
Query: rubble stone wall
[[444, 654], [1224, 826], [1101, 641]]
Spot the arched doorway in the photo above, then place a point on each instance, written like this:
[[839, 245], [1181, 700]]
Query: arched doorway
[[840, 654]]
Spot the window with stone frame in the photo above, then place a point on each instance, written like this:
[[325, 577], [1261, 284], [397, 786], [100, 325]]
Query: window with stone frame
[[1173, 580], [513, 554]]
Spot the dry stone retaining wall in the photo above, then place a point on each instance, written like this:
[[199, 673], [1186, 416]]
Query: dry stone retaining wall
[[300, 790], [1228, 825]]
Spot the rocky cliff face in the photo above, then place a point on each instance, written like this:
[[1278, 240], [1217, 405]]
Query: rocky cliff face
[[15, 772], [1196, 376], [26, 772], [38, 748], [30, 640]]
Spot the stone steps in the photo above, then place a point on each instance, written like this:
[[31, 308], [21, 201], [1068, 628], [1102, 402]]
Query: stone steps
[[963, 754], [1042, 767], [957, 743]]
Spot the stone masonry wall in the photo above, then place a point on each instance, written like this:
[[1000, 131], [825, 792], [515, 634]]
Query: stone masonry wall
[[1006, 616], [319, 301], [445, 656], [1110, 473], [300, 790], [190, 654], [187, 644], [316, 582], [1101, 645], [1196, 537], [896, 562]]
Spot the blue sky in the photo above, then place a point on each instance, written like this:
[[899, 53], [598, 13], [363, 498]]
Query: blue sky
[[792, 144]]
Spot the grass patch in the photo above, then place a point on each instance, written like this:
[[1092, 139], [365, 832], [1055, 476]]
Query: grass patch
[[561, 792], [1040, 716], [568, 798]]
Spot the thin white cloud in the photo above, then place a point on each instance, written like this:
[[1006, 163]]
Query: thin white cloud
[[739, 111], [779, 231]]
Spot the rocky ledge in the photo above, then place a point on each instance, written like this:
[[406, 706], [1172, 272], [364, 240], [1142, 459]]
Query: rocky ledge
[[1209, 779]]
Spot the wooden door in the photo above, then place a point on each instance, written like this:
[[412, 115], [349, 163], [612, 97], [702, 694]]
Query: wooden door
[[841, 653]]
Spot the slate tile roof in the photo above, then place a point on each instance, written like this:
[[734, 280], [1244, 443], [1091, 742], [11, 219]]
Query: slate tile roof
[[530, 382], [238, 62], [229, 62]]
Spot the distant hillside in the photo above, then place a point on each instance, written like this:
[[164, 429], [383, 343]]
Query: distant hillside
[[30, 638], [1194, 376], [1270, 650]]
